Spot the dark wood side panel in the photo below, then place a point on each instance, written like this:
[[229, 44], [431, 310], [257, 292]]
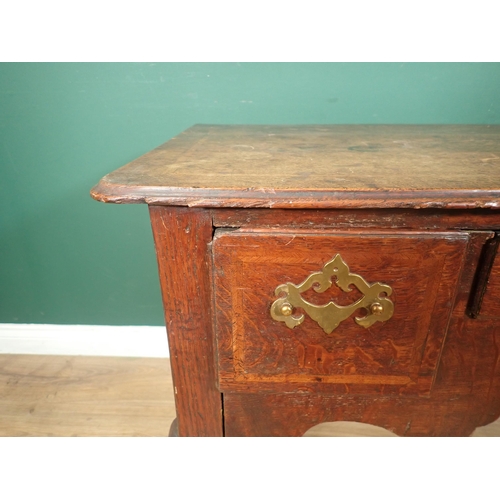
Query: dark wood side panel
[[182, 239]]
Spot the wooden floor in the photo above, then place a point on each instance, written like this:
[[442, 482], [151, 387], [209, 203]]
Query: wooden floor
[[103, 396], [84, 396]]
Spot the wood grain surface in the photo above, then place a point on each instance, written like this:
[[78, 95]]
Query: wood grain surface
[[183, 241], [327, 166], [464, 395], [85, 396], [257, 353]]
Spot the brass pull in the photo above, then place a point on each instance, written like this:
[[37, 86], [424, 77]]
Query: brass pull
[[286, 309], [377, 308], [329, 316]]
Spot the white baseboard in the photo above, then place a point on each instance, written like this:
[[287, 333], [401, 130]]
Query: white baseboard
[[84, 340]]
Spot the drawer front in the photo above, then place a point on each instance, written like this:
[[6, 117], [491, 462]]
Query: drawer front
[[400, 350]]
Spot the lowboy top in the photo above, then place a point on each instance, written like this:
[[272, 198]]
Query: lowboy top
[[316, 166]]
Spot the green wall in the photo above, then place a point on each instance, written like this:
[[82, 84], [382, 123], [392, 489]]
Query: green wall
[[65, 258]]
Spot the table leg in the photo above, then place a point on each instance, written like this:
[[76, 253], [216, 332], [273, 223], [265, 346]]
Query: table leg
[[182, 238]]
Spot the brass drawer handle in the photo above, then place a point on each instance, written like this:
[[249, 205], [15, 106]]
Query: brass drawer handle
[[329, 316]]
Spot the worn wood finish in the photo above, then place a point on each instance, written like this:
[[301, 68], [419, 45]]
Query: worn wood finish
[[464, 397], [327, 166], [293, 414], [428, 219], [431, 369], [257, 353], [182, 240]]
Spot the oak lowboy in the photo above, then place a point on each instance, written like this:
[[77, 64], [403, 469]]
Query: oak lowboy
[[322, 273]]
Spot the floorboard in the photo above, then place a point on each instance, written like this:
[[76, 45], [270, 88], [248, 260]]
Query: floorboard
[[85, 396]]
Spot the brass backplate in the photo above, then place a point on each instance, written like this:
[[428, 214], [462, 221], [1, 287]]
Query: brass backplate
[[375, 299]]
